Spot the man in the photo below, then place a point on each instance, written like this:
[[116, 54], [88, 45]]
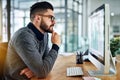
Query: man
[[28, 53]]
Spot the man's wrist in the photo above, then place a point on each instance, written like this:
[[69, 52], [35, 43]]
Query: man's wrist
[[55, 47]]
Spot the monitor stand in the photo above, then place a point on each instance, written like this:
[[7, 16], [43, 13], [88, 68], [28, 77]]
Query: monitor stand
[[101, 72]]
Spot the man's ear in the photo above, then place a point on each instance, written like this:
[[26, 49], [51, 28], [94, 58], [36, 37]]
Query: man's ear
[[38, 18]]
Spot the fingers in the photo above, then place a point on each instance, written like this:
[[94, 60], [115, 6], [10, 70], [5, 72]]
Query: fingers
[[55, 38], [24, 71], [27, 72], [53, 33]]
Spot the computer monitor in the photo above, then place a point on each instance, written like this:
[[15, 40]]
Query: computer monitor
[[99, 47]]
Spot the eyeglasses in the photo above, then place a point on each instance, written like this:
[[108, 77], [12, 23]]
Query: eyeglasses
[[50, 16]]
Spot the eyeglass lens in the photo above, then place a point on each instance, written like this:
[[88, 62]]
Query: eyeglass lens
[[52, 18]]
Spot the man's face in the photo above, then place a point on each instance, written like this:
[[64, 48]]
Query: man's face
[[47, 21]]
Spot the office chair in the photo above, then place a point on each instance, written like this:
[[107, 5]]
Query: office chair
[[3, 51]]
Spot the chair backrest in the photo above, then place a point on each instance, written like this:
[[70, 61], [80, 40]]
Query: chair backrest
[[3, 51]]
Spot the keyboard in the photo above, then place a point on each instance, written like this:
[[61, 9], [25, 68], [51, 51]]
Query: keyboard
[[74, 71]]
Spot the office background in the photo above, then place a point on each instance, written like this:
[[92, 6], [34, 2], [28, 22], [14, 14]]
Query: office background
[[71, 19]]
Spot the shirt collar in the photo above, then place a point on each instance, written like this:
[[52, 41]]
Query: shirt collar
[[38, 34]]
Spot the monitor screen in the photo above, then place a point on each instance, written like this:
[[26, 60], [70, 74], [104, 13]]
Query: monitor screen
[[97, 32]]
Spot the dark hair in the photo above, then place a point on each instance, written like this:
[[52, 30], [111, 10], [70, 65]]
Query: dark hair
[[40, 6]]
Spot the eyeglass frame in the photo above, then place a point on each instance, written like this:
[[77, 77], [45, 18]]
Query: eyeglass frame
[[50, 16]]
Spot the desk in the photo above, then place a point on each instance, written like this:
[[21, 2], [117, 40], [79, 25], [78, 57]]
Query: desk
[[59, 70]]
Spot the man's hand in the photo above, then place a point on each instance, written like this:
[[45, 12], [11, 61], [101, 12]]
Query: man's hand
[[55, 39], [27, 72]]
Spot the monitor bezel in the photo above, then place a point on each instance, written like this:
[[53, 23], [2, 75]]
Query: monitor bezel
[[106, 66], [98, 55]]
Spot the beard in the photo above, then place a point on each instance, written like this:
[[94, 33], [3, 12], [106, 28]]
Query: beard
[[49, 30], [45, 28]]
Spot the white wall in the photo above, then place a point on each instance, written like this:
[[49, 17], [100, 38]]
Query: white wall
[[114, 8], [115, 20], [114, 5]]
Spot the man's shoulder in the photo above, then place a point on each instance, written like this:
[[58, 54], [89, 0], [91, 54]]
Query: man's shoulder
[[24, 31]]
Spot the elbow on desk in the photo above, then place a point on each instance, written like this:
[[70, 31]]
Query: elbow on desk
[[43, 74]]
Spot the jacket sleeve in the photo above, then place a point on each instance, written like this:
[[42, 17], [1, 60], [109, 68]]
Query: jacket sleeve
[[25, 46]]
